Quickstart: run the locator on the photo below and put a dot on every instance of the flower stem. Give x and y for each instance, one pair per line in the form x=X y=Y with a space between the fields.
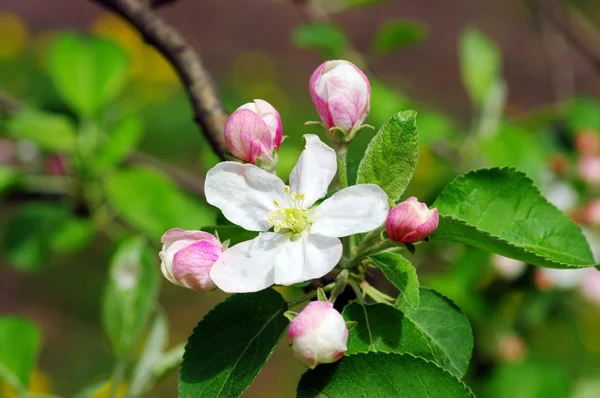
x=117 y=375
x=309 y=296
x=376 y=248
x=342 y=168
x=340 y=285
x=376 y=294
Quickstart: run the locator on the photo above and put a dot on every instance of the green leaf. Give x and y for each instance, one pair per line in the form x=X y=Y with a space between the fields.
x=328 y=39
x=398 y=33
x=72 y=234
x=380 y=375
x=155 y=344
x=391 y=157
x=233 y=233
x=500 y=210
x=445 y=327
x=121 y=143
x=152 y=203
x=402 y=274
x=232 y=344
x=88 y=72
x=51 y=131
x=383 y=328
x=25 y=243
x=130 y=295
x=479 y=64
x=20 y=341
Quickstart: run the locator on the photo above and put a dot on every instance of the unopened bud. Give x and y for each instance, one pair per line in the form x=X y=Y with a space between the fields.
x=319 y=334
x=188 y=256
x=342 y=95
x=254 y=132
x=411 y=221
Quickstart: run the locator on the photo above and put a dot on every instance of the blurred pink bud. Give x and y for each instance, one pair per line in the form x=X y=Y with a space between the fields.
x=57 y=165
x=319 y=334
x=341 y=93
x=254 y=132
x=590 y=286
x=508 y=268
x=589 y=169
x=6 y=150
x=512 y=348
x=411 y=221
x=188 y=256
x=591 y=213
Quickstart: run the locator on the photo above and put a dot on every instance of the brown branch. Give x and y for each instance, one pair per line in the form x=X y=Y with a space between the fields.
x=580 y=32
x=209 y=111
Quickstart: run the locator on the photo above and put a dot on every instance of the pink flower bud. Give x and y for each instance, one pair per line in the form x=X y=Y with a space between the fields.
x=254 y=131
x=508 y=268
x=319 y=334
x=591 y=213
x=589 y=169
x=341 y=93
x=188 y=256
x=411 y=221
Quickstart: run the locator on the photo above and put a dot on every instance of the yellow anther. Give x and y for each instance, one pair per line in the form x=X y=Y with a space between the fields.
x=286 y=189
x=276 y=203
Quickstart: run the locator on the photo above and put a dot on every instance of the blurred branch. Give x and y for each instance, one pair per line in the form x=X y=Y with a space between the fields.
x=580 y=32
x=9 y=104
x=160 y=3
x=208 y=109
x=556 y=50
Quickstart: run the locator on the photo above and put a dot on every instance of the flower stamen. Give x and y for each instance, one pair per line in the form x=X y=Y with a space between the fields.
x=293 y=218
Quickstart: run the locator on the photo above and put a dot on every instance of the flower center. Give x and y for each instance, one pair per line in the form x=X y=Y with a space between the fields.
x=294 y=218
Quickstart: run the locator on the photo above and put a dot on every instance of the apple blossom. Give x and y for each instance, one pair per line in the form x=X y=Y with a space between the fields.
x=411 y=221
x=253 y=133
x=319 y=334
x=304 y=244
x=188 y=256
x=342 y=95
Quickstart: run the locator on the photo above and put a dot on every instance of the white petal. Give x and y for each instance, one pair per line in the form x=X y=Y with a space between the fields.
x=356 y=209
x=244 y=193
x=309 y=257
x=248 y=266
x=314 y=171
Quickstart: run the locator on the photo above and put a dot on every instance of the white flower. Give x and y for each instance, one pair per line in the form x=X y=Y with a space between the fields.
x=304 y=244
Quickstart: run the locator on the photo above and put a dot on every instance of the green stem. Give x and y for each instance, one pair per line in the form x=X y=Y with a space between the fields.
x=340 y=285
x=342 y=167
x=309 y=296
x=376 y=248
x=357 y=291
x=375 y=294
x=117 y=376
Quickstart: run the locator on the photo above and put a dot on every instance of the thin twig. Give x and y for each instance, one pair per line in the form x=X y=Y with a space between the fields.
x=580 y=32
x=209 y=111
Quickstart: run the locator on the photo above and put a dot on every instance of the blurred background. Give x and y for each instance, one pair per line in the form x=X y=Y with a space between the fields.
x=495 y=83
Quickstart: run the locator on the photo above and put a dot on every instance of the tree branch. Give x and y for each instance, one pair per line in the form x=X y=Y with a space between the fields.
x=209 y=111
